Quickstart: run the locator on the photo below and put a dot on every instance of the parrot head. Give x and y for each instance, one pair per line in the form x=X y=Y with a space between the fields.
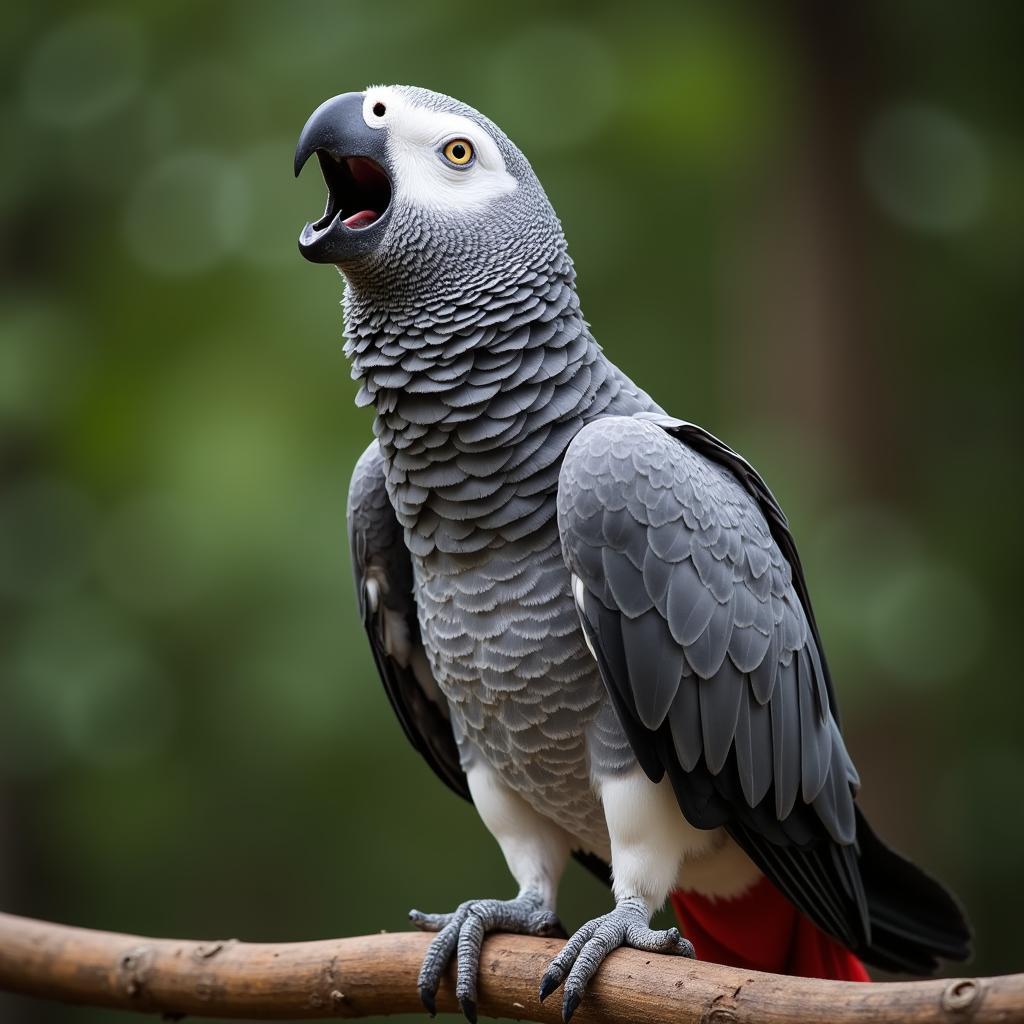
x=425 y=196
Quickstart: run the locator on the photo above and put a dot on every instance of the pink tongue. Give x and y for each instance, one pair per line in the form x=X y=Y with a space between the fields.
x=361 y=219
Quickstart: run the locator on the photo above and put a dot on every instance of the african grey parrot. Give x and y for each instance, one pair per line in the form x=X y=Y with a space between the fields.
x=589 y=616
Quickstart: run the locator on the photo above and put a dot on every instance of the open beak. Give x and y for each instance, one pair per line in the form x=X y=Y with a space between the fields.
x=354 y=161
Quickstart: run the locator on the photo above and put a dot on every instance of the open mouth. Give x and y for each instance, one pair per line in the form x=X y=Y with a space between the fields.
x=358 y=193
x=354 y=161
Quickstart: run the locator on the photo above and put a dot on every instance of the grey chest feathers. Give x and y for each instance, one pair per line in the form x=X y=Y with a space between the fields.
x=473 y=424
x=505 y=645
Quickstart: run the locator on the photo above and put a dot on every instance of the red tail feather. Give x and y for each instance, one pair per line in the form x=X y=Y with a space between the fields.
x=762 y=931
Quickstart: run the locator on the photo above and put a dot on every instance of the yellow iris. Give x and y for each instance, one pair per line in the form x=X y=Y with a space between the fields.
x=459 y=152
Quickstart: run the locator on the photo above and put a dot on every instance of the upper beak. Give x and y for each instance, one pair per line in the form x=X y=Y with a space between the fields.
x=354 y=161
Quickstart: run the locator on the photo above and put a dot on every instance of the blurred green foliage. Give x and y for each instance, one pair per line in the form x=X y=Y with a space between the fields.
x=815 y=252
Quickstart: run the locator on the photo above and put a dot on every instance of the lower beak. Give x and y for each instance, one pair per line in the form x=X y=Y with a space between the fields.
x=354 y=160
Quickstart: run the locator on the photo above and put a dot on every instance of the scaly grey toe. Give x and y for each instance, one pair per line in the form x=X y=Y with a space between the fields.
x=463 y=932
x=583 y=954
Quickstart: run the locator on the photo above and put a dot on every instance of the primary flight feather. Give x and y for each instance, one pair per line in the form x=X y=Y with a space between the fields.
x=589 y=616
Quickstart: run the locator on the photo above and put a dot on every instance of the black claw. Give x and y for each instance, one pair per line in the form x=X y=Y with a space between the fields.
x=550 y=927
x=428 y=1001
x=469 y=1009
x=551 y=980
x=572 y=1000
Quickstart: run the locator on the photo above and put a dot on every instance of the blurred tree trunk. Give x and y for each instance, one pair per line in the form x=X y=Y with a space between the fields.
x=806 y=324
x=805 y=318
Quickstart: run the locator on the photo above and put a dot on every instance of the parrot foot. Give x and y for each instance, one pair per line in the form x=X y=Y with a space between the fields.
x=463 y=931
x=583 y=954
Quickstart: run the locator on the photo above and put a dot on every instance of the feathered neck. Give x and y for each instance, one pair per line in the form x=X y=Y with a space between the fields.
x=474 y=344
x=476 y=403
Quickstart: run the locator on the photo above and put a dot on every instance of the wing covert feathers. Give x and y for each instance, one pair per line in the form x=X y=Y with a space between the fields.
x=693 y=599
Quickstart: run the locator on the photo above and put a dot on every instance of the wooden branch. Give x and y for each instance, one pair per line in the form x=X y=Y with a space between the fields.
x=376 y=974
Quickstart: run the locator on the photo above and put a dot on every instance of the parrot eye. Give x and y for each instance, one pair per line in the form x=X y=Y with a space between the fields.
x=458 y=152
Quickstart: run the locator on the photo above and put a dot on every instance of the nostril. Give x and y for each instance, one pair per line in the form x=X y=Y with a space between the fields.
x=379 y=109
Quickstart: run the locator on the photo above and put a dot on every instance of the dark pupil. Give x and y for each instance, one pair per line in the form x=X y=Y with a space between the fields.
x=378 y=109
x=458 y=152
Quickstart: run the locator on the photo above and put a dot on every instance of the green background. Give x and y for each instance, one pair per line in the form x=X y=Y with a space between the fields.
x=801 y=225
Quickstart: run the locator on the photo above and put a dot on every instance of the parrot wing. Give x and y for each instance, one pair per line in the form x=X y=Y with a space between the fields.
x=692 y=596
x=387 y=605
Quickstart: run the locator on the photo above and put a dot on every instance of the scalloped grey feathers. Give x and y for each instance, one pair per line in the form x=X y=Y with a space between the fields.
x=521 y=487
x=706 y=605
x=713 y=666
x=383 y=575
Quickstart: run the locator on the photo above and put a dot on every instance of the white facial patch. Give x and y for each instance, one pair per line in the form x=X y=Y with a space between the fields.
x=415 y=138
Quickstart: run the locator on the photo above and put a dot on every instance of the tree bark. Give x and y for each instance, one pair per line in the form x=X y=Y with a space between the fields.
x=376 y=974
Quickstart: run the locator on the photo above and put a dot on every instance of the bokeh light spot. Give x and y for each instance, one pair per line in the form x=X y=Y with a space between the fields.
x=293 y=686
x=186 y=214
x=927 y=623
x=204 y=106
x=270 y=240
x=45 y=532
x=84 y=70
x=926 y=168
x=852 y=553
x=84 y=681
x=39 y=360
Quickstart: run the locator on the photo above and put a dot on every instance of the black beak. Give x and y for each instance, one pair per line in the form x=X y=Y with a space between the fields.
x=354 y=161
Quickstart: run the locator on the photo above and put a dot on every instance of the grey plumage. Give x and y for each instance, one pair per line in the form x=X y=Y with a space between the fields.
x=494 y=382
x=520 y=491
x=384 y=585
x=753 y=700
